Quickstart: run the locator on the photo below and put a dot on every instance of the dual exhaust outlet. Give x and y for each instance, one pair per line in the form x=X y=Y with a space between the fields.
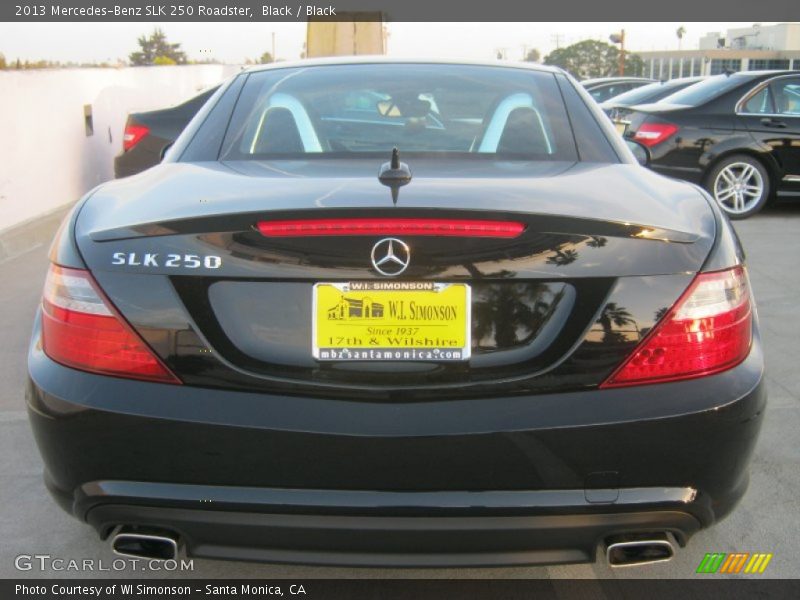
x=625 y=550
x=145 y=543
x=633 y=549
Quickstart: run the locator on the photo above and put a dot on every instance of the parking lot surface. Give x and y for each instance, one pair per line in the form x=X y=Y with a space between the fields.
x=765 y=521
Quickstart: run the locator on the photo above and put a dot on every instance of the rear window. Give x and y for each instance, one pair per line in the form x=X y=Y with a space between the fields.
x=702 y=92
x=602 y=93
x=638 y=95
x=650 y=92
x=348 y=110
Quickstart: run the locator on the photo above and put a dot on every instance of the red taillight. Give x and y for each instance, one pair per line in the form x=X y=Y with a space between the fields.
x=707 y=331
x=133 y=135
x=361 y=226
x=81 y=330
x=652 y=134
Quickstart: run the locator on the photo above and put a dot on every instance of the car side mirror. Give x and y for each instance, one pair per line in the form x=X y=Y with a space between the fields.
x=641 y=153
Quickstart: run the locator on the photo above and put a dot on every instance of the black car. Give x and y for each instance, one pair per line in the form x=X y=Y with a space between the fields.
x=736 y=134
x=148 y=135
x=618 y=107
x=397 y=313
x=604 y=88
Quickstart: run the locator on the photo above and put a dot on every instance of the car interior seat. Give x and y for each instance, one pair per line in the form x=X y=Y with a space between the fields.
x=523 y=133
x=279 y=133
x=513 y=125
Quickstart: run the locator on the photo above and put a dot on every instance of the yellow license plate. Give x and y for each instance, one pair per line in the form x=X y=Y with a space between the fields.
x=391 y=320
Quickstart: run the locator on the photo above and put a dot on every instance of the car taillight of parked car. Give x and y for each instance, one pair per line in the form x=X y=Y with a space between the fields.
x=134 y=133
x=708 y=331
x=80 y=329
x=652 y=134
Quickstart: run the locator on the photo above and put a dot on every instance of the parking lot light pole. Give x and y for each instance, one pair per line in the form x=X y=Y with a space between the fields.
x=619 y=38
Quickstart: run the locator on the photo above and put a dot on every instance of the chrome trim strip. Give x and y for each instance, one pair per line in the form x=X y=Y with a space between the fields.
x=743 y=100
x=779 y=115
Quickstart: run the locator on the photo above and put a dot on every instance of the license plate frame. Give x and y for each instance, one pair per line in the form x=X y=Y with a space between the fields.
x=352 y=320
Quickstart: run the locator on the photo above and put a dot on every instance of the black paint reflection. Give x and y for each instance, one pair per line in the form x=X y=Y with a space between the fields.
x=511 y=314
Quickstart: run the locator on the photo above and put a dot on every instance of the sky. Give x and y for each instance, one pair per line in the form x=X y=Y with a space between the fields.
x=235 y=42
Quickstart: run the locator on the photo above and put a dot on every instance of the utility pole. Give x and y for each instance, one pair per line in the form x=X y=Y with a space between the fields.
x=556 y=39
x=273 y=46
x=619 y=38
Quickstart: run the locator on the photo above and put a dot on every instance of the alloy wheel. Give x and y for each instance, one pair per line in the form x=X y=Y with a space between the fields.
x=738 y=187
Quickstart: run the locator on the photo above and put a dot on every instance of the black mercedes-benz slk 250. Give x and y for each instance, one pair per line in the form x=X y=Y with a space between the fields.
x=397 y=313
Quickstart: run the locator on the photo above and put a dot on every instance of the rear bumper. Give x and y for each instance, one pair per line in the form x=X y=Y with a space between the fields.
x=371 y=529
x=124 y=166
x=133 y=161
x=506 y=480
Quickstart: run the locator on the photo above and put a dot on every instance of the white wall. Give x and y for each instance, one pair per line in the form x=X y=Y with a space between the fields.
x=46 y=159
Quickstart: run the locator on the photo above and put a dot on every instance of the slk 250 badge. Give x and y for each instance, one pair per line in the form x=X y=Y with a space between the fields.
x=174 y=261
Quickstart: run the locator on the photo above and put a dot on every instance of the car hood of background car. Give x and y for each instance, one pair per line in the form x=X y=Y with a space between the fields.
x=146 y=204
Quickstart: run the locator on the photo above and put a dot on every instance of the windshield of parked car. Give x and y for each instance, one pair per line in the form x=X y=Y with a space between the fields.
x=367 y=109
x=706 y=90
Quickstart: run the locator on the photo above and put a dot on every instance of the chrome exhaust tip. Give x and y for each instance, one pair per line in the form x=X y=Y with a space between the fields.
x=632 y=550
x=131 y=543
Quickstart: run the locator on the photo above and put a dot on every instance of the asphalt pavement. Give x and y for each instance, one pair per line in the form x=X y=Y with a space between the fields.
x=765 y=521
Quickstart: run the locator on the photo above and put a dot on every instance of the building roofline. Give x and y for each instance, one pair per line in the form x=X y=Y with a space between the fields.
x=719 y=53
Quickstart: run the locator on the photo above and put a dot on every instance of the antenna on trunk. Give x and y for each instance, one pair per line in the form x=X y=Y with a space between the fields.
x=394 y=174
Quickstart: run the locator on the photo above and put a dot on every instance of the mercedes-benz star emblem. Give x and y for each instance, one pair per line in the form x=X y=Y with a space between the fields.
x=390 y=256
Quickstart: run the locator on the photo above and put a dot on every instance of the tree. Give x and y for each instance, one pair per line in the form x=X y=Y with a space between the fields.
x=163 y=61
x=266 y=58
x=634 y=65
x=680 y=32
x=533 y=55
x=157 y=47
x=592 y=58
x=2 y=61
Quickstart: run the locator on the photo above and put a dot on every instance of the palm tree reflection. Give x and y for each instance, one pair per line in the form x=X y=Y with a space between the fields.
x=563 y=257
x=612 y=317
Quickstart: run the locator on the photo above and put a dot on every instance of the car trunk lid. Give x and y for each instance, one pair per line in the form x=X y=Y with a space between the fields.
x=249 y=300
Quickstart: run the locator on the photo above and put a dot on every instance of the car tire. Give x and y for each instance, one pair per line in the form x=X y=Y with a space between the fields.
x=740 y=184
